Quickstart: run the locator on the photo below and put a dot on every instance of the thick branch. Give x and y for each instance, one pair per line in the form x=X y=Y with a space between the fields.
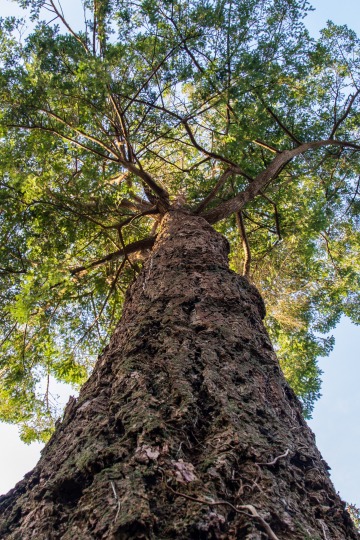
x=194 y=143
x=148 y=179
x=158 y=190
x=235 y=204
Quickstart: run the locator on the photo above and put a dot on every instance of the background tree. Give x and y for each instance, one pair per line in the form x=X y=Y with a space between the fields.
x=230 y=105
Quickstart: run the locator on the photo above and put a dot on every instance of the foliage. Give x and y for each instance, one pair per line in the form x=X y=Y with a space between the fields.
x=354 y=514
x=230 y=105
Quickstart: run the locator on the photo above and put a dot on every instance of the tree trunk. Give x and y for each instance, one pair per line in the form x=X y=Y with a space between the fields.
x=186 y=429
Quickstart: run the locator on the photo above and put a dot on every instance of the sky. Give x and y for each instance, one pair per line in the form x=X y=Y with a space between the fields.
x=336 y=415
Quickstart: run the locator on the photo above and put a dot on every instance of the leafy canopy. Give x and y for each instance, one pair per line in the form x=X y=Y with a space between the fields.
x=227 y=105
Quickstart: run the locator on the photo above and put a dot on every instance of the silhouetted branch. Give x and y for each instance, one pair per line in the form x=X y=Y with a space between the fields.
x=145 y=243
x=213 y=155
x=66 y=24
x=245 y=243
x=345 y=115
x=276 y=214
x=205 y=202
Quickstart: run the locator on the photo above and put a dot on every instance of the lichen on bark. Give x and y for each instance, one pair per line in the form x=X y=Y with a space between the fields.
x=187 y=428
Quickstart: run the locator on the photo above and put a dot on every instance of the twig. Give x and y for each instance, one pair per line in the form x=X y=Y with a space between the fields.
x=78 y=131
x=14 y=327
x=116 y=499
x=325 y=237
x=66 y=24
x=213 y=155
x=126 y=257
x=353 y=197
x=275 y=460
x=66 y=138
x=111 y=290
x=280 y=123
x=153 y=72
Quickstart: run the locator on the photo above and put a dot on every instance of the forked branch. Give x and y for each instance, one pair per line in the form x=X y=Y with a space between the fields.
x=269 y=174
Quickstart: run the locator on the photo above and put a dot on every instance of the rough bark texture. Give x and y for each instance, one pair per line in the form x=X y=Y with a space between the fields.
x=187 y=428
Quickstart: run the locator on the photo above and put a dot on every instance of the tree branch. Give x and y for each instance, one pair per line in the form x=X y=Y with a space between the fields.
x=235 y=204
x=266 y=146
x=66 y=24
x=95 y=140
x=111 y=290
x=276 y=213
x=153 y=72
x=130 y=219
x=325 y=237
x=213 y=155
x=145 y=243
x=345 y=115
x=245 y=243
x=146 y=177
x=66 y=138
x=280 y=123
x=205 y=202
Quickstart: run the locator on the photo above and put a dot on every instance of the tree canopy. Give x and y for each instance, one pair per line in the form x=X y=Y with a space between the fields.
x=229 y=107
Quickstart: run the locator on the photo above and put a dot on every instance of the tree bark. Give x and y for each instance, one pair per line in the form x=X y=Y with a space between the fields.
x=186 y=429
